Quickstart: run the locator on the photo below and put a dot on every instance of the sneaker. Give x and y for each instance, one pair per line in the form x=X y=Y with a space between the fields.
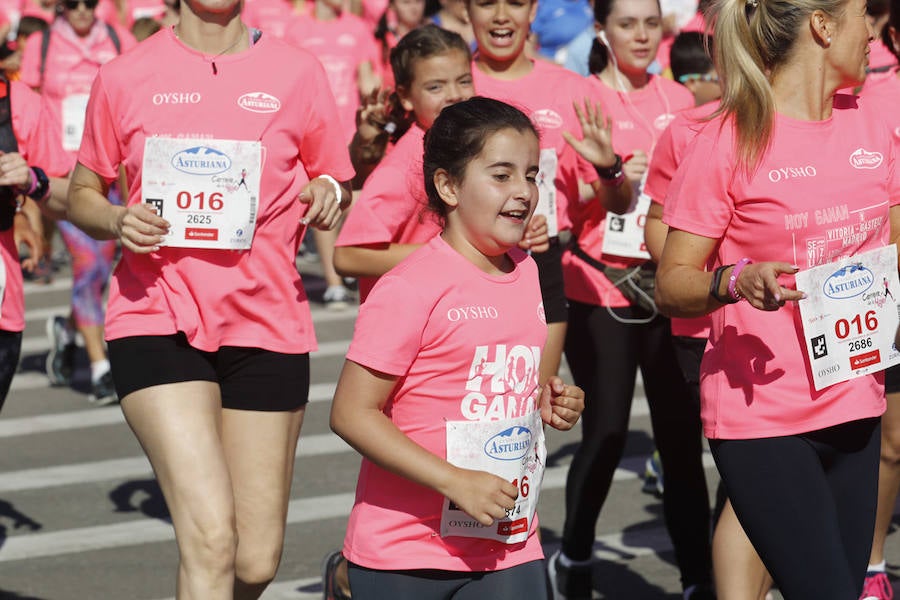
x=337 y=297
x=877 y=587
x=653 y=475
x=569 y=583
x=330 y=589
x=103 y=392
x=61 y=358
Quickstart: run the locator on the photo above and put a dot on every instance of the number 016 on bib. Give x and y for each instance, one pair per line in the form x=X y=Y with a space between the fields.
x=850 y=315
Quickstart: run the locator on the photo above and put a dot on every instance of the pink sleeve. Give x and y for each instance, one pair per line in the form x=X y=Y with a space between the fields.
x=894 y=172
x=323 y=150
x=699 y=199
x=385 y=205
x=100 y=149
x=29 y=73
x=39 y=144
x=389 y=328
x=662 y=167
x=126 y=38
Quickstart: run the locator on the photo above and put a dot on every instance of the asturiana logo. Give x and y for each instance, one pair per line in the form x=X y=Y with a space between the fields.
x=848 y=282
x=663 y=120
x=509 y=444
x=201 y=160
x=863 y=159
x=259 y=102
x=547 y=118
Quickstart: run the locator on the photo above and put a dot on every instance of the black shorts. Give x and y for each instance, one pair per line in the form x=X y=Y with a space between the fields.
x=550 y=272
x=249 y=378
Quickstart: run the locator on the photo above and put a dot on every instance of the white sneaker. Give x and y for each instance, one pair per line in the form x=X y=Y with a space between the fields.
x=337 y=297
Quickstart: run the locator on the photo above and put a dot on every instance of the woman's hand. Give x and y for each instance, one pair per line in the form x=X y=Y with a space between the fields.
x=24 y=234
x=481 y=495
x=635 y=166
x=758 y=283
x=325 y=207
x=596 y=129
x=140 y=229
x=561 y=404
x=14 y=171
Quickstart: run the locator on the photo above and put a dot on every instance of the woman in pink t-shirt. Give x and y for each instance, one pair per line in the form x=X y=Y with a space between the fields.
x=613 y=330
x=399 y=18
x=440 y=392
x=31 y=167
x=229 y=157
x=61 y=63
x=787 y=174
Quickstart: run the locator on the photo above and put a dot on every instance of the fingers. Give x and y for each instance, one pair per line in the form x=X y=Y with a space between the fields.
x=324 y=206
x=758 y=283
x=566 y=403
x=141 y=230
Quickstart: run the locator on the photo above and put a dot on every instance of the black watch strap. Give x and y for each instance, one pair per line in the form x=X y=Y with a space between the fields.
x=610 y=173
x=42 y=189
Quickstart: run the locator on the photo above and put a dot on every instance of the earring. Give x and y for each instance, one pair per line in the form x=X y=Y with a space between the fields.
x=828 y=39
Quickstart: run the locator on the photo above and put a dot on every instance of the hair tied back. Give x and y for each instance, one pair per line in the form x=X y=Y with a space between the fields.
x=752 y=3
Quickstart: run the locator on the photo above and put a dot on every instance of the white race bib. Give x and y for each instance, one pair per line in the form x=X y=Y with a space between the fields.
x=74 y=108
x=546 y=205
x=624 y=234
x=850 y=315
x=208 y=190
x=510 y=448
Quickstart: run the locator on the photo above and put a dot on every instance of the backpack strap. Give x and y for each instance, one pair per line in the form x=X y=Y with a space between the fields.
x=45 y=46
x=114 y=37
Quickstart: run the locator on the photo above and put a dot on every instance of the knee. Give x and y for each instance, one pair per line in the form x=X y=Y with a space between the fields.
x=211 y=548
x=890 y=449
x=257 y=566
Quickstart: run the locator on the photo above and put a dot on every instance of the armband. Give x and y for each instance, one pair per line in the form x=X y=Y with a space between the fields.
x=338 y=192
x=611 y=176
x=732 y=280
x=716 y=283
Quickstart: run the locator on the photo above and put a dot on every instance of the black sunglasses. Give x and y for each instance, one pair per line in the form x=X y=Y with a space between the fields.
x=73 y=4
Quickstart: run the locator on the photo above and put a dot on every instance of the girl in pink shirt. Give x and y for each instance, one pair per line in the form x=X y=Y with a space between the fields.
x=61 y=63
x=800 y=464
x=611 y=336
x=229 y=156
x=440 y=390
x=399 y=18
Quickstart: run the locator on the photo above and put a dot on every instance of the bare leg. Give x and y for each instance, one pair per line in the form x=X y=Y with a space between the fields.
x=888 y=475
x=179 y=425
x=738 y=571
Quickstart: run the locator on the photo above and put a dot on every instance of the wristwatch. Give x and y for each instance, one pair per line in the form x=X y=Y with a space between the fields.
x=611 y=176
x=41 y=188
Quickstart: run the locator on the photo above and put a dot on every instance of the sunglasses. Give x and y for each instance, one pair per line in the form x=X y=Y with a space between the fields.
x=73 y=4
x=709 y=78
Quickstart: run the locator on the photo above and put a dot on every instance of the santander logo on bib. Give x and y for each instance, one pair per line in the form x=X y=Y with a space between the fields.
x=201 y=160
x=259 y=102
x=862 y=159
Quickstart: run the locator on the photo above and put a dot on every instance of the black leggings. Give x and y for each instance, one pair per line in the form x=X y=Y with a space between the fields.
x=10 y=349
x=807 y=502
x=604 y=356
x=527 y=580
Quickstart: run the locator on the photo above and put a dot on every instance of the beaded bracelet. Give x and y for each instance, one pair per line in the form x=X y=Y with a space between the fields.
x=732 y=281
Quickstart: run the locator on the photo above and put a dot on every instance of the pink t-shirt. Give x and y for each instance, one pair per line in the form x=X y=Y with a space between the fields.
x=639 y=118
x=341 y=45
x=134 y=10
x=39 y=148
x=393 y=206
x=443 y=326
x=546 y=95
x=665 y=160
x=72 y=64
x=272 y=17
x=34 y=8
x=249 y=298
x=808 y=204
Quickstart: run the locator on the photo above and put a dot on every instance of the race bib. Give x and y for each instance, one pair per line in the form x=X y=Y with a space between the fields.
x=850 y=315
x=546 y=205
x=74 y=108
x=624 y=234
x=206 y=189
x=510 y=448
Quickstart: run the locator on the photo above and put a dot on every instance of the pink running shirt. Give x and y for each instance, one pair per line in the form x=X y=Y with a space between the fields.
x=546 y=95
x=639 y=118
x=669 y=151
x=442 y=326
x=393 y=206
x=341 y=45
x=803 y=206
x=39 y=148
x=272 y=17
x=218 y=297
x=72 y=64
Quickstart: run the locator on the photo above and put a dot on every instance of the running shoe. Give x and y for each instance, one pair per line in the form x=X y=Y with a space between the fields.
x=103 y=392
x=330 y=588
x=877 y=587
x=61 y=358
x=337 y=297
x=653 y=475
x=569 y=583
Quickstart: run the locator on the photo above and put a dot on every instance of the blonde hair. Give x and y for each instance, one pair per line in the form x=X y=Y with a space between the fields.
x=752 y=39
